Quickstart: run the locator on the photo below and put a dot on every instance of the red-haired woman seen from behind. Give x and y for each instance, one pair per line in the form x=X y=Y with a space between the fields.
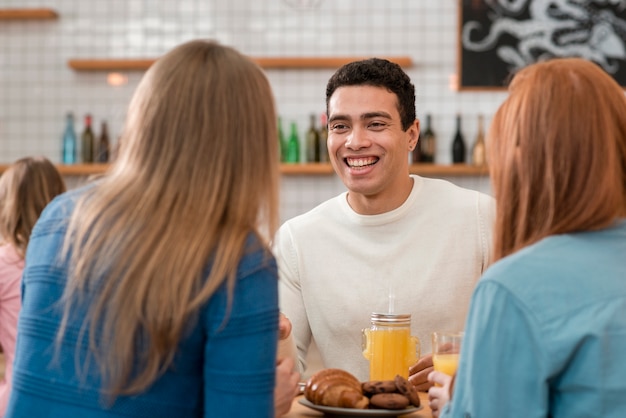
x=546 y=331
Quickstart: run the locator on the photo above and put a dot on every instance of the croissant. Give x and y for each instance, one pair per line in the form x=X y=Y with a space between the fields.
x=337 y=388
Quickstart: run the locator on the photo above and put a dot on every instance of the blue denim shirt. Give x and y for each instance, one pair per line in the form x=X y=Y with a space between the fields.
x=546 y=332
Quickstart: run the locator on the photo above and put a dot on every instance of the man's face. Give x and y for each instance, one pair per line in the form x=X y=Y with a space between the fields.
x=366 y=143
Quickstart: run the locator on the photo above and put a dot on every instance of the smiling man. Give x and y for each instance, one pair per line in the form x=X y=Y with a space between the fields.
x=426 y=241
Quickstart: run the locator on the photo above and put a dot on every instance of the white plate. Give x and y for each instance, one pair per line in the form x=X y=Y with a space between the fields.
x=352 y=412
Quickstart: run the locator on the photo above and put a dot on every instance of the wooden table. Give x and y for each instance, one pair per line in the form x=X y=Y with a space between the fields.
x=301 y=411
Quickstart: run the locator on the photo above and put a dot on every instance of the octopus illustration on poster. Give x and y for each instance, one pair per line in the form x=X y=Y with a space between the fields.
x=498 y=37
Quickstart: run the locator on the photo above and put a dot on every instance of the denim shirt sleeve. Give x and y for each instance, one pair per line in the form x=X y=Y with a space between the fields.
x=502 y=372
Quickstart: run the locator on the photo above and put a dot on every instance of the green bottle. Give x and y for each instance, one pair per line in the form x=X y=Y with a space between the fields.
x=293 y=146
x=282 y=143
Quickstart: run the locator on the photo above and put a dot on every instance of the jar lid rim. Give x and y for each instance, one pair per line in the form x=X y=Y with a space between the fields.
x=390 y=317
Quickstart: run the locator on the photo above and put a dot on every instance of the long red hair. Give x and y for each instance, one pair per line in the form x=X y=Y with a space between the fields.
x=557 y=149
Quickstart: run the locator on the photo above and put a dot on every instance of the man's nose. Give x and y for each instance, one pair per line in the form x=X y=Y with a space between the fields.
x=357 y=138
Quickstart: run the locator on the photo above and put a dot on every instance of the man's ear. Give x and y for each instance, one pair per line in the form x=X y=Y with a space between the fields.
x=414 y=134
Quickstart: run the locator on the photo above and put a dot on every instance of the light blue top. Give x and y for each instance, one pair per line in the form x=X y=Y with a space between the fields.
x=221 y=368
x=546 y=332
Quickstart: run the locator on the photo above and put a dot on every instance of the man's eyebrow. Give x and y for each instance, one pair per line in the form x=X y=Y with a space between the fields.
x=364 y=116
x=338 y=117
x=371 y=115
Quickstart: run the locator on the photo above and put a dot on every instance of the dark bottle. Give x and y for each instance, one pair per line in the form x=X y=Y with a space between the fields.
x=87 y=141
x=102 y=153
x=428 y=141
x=282 y=143
x=323 y=138
x=293 y=145
x=312 y=143
x=458 y=145
x=479 y=158
x=69 y=141
x=416 y=154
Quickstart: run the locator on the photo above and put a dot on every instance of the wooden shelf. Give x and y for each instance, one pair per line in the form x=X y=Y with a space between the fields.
x=464 y=170
x=320 y=62
x=28 y=14
x=310 y=169
x=121 y=64
x=110 y=64
x=82 y=169
x=94 y=169
x=74 y=169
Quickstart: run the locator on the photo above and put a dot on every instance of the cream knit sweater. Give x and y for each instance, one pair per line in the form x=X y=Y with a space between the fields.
x=337 y=267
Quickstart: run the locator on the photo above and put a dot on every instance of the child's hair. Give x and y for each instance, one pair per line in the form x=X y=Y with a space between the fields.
x=26 y=187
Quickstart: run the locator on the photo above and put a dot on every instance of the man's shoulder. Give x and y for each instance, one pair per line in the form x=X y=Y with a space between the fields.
x=447 y=192
x=320 y=214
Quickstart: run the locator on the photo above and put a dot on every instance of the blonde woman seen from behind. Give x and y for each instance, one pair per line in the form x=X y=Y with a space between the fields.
x=153 y=291
x=26 y=187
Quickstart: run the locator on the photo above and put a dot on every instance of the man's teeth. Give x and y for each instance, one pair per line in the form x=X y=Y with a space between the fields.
x=360 y=162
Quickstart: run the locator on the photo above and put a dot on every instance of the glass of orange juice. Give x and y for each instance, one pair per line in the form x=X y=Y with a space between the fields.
x=446 y=350
x=389 y=346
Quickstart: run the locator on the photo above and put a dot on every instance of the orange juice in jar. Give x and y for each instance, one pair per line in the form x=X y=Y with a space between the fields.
x=389 y=346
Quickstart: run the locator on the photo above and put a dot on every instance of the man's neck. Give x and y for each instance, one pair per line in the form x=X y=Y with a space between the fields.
x=381 y=202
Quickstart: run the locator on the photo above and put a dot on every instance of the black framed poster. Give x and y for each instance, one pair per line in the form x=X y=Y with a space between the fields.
x=499 y=37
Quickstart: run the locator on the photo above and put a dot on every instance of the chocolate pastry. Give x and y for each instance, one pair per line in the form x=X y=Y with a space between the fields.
x=379 y=386
x=389 y=401
x=407 y=389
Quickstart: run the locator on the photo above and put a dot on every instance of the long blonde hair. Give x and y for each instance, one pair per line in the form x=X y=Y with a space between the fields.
x=196 y=173
x=557 y=153
x=26 y=187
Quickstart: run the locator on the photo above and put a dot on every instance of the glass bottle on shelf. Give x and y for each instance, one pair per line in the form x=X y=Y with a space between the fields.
x=429 y=143
x=282 y=144
x=478 y=151
x=69 y=141
x=324 y=138
x=87 y=141
x=102 y=153
x=458 y=144
x=293 y=145
x=415 y=156
x=312 y=142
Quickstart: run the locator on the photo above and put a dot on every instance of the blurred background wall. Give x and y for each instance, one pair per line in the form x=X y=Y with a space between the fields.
x=37 y=88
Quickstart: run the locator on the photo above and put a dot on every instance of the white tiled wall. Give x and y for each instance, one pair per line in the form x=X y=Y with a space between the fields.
x=37 y=87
